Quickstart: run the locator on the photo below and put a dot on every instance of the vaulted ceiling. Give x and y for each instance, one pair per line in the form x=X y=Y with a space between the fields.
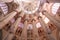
x=41 y=17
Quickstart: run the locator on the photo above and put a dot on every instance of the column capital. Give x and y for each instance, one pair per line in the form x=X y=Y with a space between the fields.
x=43 y=12
x=33 y=20
x=39 y=17
x=26 y=20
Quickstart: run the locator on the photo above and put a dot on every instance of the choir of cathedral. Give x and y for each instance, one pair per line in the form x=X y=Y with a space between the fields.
x=29 y=19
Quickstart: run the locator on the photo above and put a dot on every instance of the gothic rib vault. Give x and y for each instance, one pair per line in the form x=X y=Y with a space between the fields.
x=25 y=20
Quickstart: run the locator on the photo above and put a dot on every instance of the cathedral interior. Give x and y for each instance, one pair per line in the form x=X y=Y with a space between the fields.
x=29 y=19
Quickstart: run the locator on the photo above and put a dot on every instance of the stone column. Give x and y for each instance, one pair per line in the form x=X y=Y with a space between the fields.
x=54 y=21
x=46 y=29
x=16 y=10
x=10 y=36
x=49 y=10
x=56 y=16
x=35 y=31
x=24 y=31
x=5 y=21
x=7 y=18
x=1 y=34
x=5 y=35
x=15 y=25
